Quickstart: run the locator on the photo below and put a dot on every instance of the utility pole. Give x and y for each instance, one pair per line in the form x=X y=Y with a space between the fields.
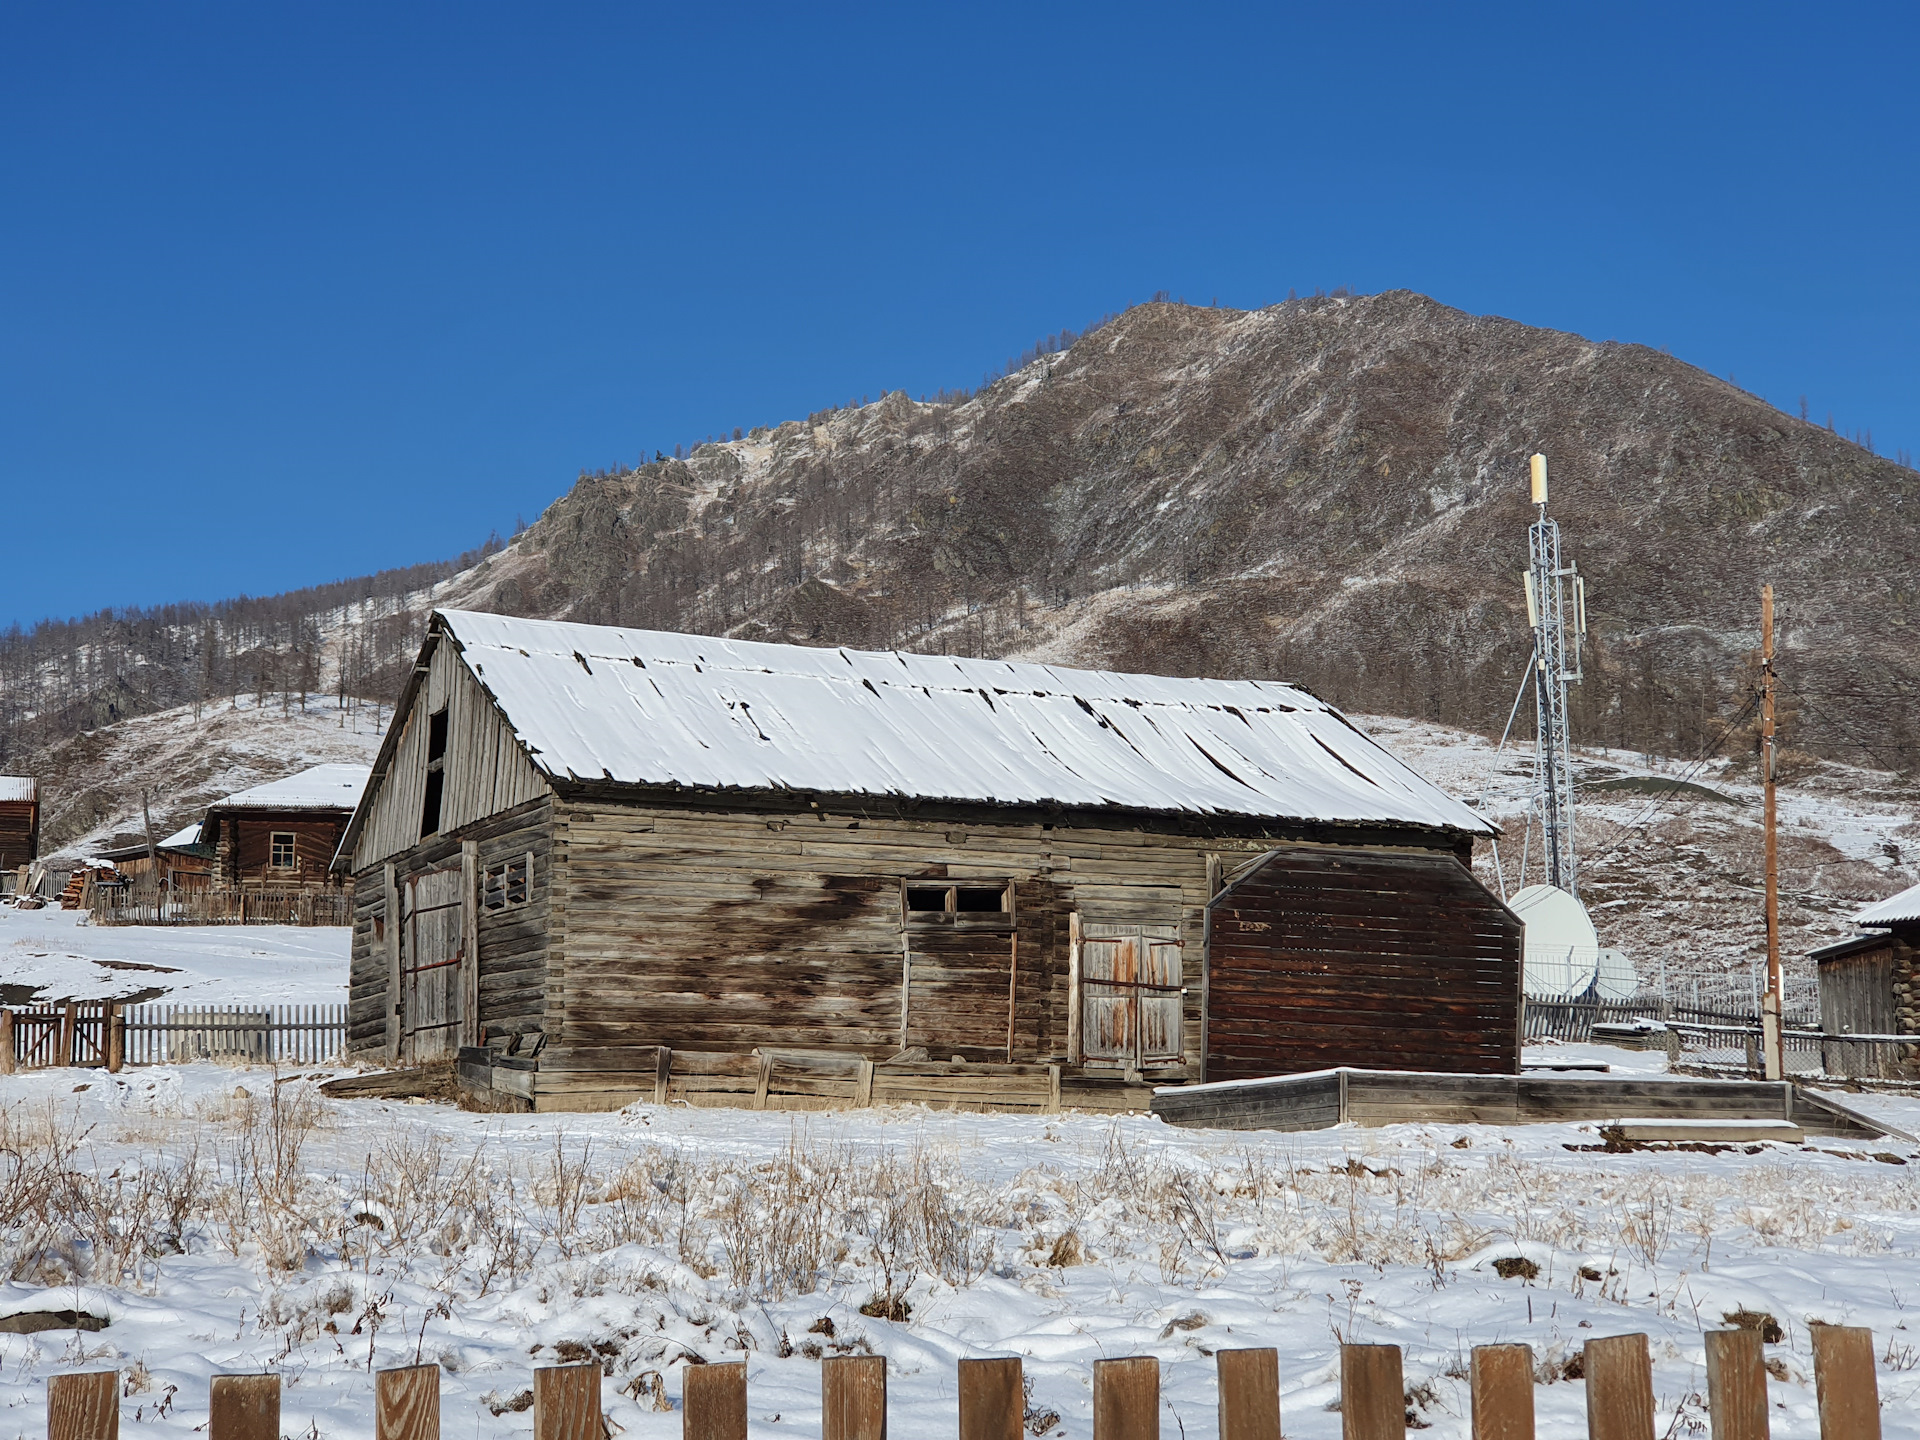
x=1770 y=1004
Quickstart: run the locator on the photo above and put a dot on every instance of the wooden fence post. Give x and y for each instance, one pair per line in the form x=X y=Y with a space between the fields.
x=1502 y=1383
x=6 y=1042
x=1843 y=1377
x=66 y=1035
x=1373 y=1397
x=1249 y=1385
x=1126 y=1399
x=85 y=1406
x=406 y=1403
x=566 y=1402
x=243 y=1407
x=993 y=1402
x=853 y=1397
x=713 y=1402
x=1737 y=1385
x=116 y=1039
x=1619 y=1388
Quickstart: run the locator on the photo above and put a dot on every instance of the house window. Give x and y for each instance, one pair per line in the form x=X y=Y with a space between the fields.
x=436 y=773
x=508 y=883
x=282 y=850
x=960 y=902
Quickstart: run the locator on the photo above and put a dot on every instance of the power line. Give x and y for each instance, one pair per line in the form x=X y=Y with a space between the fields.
x=1699 y=763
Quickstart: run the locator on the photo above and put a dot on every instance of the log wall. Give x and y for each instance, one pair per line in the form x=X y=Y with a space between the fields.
x=1322 y=956
x=19 y=830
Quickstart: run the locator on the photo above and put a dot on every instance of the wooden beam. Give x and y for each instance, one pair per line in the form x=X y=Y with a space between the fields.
x=1737 y=1385
x=243 y=1407
x=1502 y=1387
x=470 y=941
x=566 y=1402
x=1126 y=1399
x=406 y=1403
x=713 y=1401
x=1619 y=1375
x=1843 y=1378
x=1373 y=1399
x=85 y=1406
x=392 y=896
x=993 y=1403
x=853 y=1397
x=1249 y=1383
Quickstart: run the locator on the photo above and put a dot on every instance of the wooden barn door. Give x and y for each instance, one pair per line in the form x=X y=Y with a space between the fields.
x=1130 y=994
x=431 y=958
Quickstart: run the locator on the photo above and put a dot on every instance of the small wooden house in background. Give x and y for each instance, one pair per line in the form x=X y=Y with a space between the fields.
x=602 y=864
x=19 y=821
x=179 y=861
x=282 y=835
x=1866 y=987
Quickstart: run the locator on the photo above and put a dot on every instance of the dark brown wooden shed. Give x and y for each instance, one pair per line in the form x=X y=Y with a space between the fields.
x=19 y=821
x=597 y=865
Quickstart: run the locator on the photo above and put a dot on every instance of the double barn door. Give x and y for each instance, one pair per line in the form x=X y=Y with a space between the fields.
x=1130 y=994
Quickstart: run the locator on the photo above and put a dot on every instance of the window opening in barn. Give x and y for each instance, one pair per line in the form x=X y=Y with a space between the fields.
x=282 y=850
x=973 y=901
x=436 y=772
x=507 y=883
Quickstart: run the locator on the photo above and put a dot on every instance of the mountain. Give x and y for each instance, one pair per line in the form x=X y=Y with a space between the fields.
x=1331 y=490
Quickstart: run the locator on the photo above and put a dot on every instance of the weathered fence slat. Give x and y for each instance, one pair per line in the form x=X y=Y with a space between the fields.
x=853 y=1397
x=1249 y=1400
x=1126 y=1399
x=85 y=1406
x=566 y=1402
x=1737 y=1385
x=1502 y=1385
x=243 y=1407
x=713 y=1402
x=1843 y=1377
x=1619 y=1388
x=406 y=1403
x=992 y=1399
x=1373 y=1398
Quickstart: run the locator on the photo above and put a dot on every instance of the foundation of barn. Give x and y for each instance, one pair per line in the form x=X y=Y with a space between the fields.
x=613 y=1077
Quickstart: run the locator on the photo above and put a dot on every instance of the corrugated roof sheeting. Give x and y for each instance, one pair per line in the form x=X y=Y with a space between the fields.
x=645 y=707
x=1893 y=909
x=324 y=787
x=19 y=787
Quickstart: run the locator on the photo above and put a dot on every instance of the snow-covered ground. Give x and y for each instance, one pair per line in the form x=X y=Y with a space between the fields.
x=223 y=1221
x=54 y=954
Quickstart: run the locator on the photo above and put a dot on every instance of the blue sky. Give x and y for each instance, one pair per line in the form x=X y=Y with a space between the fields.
x=292 y=293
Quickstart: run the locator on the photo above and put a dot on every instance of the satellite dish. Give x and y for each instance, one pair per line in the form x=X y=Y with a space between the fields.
x=1562 y=952
x=1616 y=979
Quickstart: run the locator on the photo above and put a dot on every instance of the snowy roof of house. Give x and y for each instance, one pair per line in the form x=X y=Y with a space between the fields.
x=324 y=787
x=187 y=838
x=602 y=703
x=1893 y=909
x=19 y=787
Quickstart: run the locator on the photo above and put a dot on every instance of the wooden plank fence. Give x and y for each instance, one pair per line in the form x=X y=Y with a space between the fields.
x=1729 y=1041
x=124 y=905
x=1126 y=1396
x=107 y=1035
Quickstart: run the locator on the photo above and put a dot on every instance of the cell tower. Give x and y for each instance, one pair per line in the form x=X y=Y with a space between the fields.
x=1556 y=605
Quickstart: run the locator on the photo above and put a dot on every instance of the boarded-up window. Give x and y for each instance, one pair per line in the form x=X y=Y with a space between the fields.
x=282 y=851
x=1130 y=979
x=508 y=883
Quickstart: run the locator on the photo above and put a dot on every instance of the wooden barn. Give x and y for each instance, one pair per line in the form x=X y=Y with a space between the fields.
x=19 y=821
x=282 y=835
x=601 y=864
x=1866 y=987
x=178 y=861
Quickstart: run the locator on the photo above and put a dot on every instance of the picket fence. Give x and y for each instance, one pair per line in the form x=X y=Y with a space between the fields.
x=127 y=905
x=102 y=1033
x=1616 y=1369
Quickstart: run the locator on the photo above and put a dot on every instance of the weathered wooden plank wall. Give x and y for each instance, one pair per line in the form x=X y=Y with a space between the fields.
x=1324 y=956
x=1856 y=993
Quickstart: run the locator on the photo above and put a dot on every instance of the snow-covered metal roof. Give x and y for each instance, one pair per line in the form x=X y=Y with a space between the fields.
x=643 y=707
x=19 y=787
x=1892 y=910
x=324 y=787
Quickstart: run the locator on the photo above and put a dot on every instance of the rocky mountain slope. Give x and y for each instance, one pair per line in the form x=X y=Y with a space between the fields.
x=1331 y=491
